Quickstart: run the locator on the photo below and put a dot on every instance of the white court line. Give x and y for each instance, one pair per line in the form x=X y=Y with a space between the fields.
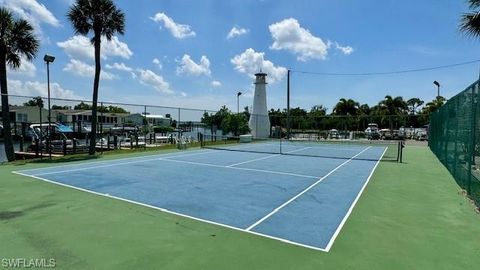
x=262 y=158
x=213 y=222
x=340 y=226
x=153 y=156
x=173 y=212
x=238 y=168
x=252 y=160
x=119 y=163
x=303 y=191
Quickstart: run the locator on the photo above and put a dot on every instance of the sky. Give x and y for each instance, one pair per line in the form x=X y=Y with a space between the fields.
x=199 y=54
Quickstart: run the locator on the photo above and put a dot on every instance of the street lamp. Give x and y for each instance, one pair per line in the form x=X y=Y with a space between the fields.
x=238 y=102
x=438 y=87
x=48 y=59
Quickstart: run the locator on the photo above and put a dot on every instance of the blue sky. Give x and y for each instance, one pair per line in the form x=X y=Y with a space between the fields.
x=180 y=53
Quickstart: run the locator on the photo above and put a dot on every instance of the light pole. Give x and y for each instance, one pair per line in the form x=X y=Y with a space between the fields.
x=238 y=102
x=48 y=59
x=438 y=87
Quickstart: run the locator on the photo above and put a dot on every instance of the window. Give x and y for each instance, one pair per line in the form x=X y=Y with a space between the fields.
x=22 y=117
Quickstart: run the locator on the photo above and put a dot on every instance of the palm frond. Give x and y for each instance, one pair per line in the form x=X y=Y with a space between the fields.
x=13 y=60
x=24 y=41
x=80 y=14
x=101 y=17
x=470 y=24
x=6 y=22
x=17 y=39
x=474 y=3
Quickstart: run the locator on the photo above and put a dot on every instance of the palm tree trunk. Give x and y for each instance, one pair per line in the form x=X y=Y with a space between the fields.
x=7 y=131
x=93 y=133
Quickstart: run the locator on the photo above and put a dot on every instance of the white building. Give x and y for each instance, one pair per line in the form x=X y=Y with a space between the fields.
x=152 y=119
x=259 y=122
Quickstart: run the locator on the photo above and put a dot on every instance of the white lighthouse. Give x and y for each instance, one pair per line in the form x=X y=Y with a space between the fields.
x=259 y=122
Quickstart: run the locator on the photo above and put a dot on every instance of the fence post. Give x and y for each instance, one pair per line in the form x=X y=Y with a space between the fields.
x=21 y=143
x=37 y=148
x=41 y=133
x=145 y=125
x=64 y=147
x=455 y=164
x=472 y=158
x=101 y=127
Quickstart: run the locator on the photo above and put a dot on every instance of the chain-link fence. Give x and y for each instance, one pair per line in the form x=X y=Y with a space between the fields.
x=122 y=126
x=323 y=135
x=454 y=137
x=65 y=128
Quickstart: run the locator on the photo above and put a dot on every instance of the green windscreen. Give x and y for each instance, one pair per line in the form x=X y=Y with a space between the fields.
x=454 y=138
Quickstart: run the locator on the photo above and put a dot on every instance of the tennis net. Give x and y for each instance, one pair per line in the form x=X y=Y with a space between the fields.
x=372 y=150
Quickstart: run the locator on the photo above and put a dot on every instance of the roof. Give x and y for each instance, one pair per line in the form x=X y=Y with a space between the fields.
x=150 y=116
x=88 y=112
x=154 y=116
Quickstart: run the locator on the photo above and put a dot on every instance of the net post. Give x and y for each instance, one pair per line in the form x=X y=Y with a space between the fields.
x=200 y=137
x=398 y=151
x=280 y=142
x=402 y=145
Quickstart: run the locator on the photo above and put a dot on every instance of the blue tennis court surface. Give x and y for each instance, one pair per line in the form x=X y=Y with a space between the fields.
x=297 y=199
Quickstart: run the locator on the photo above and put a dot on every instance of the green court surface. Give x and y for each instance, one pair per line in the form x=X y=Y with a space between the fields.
x=411 y=216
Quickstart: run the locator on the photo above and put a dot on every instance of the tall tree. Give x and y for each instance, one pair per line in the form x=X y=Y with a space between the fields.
x=103 y=19
x=16 y=40
x=433 y=105
x=318 y=111
x=34 y=102
x=346 y=107
x=394 y=106
x=413 y=105
x=364 y=109
x=470 y=22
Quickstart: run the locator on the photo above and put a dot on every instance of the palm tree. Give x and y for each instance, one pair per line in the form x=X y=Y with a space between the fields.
x=433 y=105
x=16 y=40
x=393 y=107
x=102 y=18
x=470 y=22
x=413 y=105
x=346 y=107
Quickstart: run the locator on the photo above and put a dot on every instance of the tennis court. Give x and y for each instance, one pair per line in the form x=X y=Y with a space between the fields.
x=296 y=196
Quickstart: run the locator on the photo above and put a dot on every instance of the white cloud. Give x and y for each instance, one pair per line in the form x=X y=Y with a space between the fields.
x=32 y=11
x=82 y=69
x=189 y=67
x=157 y=63
x=289 y=35
x=235 y=32
x=119 y=66
x=80 y=47
x=179 y=31
x=35 y=88
x=216 y=84
x=251 y=62
x=26 y=68
x=183 y=94
x=347 y=50
x=150 y=78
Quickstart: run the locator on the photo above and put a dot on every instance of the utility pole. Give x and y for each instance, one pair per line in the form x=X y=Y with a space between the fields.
x=288 y=104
